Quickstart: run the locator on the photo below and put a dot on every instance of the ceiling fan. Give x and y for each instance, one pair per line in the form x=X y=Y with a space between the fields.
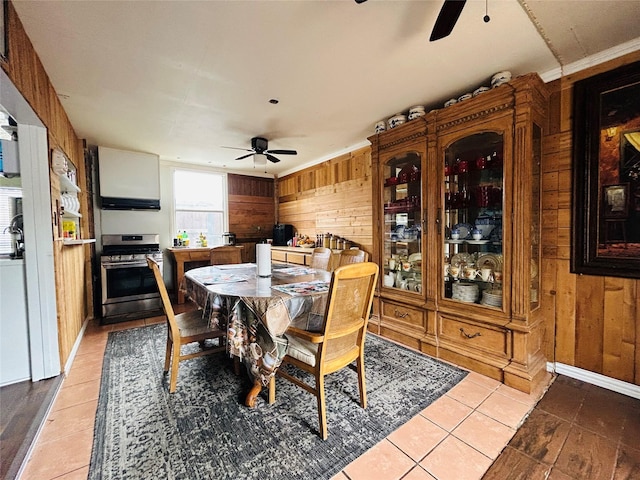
x=447 y=18
x=260 y=146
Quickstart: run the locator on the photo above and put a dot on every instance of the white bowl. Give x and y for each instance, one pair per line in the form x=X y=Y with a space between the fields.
x=480 y=90
x=500 y=77
x=415 y=112
x=450 y=102
x=485 y=229
x=381 y=126
x=464 y=97
x=397 y=119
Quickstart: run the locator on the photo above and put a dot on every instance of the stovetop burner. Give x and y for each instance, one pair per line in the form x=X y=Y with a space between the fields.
x=136 y=247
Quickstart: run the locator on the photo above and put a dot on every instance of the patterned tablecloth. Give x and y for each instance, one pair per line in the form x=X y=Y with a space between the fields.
x=257 y=311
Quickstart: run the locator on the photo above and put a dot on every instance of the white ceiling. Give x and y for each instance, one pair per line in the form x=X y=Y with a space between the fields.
x=183 y=78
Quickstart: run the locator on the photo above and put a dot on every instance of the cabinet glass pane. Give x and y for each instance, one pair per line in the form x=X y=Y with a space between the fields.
x=402 y=253
x=535 y=217
x=473 y=197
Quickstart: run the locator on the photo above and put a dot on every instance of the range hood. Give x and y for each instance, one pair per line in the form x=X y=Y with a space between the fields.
x=128 y=180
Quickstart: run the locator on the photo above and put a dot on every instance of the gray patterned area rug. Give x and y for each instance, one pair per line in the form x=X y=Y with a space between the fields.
x=204 y=431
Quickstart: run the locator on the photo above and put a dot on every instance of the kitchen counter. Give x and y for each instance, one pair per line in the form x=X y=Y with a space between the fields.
x=301 y=256
x=7 y=260
x=293 y=249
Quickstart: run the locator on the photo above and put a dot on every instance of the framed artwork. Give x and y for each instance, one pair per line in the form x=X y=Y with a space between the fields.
x=605 y=236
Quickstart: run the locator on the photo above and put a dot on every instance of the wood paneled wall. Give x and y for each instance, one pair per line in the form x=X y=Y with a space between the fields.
x=596 y=320
x=72 y=264
x=334 y=196
x=252 y=211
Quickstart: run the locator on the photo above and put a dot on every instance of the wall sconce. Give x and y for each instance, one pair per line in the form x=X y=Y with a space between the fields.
x=611 y=132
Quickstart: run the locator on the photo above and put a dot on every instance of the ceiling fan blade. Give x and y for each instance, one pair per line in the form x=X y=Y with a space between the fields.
x=447 y=18
x=245 y=156
x=282 y=152
x=238 y=148
x=271 y=158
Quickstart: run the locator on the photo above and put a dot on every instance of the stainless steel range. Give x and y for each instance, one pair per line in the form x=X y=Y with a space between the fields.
x=129 y=290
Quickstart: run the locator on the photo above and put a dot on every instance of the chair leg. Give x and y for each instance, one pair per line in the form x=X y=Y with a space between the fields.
x=322 y=411
x=362 y=384
x=272 y=390
x=167 y=357
x=236 y=366
x=175 y=363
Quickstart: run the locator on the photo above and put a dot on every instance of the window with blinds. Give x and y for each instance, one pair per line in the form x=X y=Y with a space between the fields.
x=7 y=212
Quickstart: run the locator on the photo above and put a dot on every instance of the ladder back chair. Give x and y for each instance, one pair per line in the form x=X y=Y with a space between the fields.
x=321 y=258
x=341 y=339
x=225 y=255
x=353 y=255
x=182 y=329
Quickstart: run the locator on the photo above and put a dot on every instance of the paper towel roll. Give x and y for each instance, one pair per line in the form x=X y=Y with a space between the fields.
x=263 y=259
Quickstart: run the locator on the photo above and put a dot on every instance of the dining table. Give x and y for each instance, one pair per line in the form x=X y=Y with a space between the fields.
x=257 y=310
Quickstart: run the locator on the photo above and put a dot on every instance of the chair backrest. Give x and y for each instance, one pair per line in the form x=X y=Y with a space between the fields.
x=225 y=255
x=166 y=301
x=347 y=314
x=320 y=258
x=353 y=255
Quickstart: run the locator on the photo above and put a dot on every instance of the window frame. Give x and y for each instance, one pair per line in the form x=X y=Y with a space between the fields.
x=225 y=199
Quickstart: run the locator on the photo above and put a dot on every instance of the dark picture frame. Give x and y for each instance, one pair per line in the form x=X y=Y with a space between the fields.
x=605 y=237
x=4 y=37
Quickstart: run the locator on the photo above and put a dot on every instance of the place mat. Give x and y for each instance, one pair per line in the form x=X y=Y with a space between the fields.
x=303 y=288
x=295 y=271
x=222 y=278
x=234 y=266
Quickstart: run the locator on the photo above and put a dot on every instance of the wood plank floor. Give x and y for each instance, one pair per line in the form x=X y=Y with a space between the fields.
x=577 y=431
x=23 y=407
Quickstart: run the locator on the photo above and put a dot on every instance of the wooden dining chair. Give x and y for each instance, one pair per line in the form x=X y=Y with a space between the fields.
x=320 y=258
x=341 y=339
x=353 y=255
x=182 y=329
x=225 y=255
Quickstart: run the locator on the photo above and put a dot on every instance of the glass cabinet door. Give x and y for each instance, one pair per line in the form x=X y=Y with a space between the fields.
x=473 y=205
x=402 y=253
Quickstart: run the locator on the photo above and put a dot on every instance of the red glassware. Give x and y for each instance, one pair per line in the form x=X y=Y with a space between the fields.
x=484 y=195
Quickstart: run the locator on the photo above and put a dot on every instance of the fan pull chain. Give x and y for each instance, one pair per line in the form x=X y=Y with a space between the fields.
x=486 y=17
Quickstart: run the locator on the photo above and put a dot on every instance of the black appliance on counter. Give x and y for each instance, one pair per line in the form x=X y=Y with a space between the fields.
x=282 y=233
x=129 y=289
x=229 y=238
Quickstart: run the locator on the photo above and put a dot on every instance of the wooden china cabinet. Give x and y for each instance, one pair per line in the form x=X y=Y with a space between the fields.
x=457 y=211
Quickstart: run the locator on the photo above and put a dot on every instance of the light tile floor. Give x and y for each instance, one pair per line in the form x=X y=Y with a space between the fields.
x=455 y=438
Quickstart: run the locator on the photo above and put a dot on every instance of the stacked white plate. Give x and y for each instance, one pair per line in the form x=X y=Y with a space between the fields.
x=492 y=299
x=465 y=292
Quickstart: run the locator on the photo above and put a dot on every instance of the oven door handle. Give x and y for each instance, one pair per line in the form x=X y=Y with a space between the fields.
x=128 y=264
